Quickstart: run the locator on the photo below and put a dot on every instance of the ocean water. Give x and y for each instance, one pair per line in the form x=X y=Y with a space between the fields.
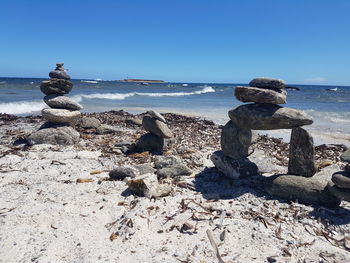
x=330 y=109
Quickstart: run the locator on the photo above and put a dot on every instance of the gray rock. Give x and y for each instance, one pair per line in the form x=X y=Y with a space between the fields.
x=234 y=168
x=59 y=74
x=173 y=171
x=145 y=168
x=61 y=115
x=236 y=141
x=61 y=102
x=345 y=157
x=307 y=190
x=347 y=167
x=120 y=173
x=156 y=127
x=54 y=134
x=341 y=179
x=56 y=86
x=259 y=95
x=301 y=153
x=268 y=83
x=106 y=129
x=134 y=121
x=268 y=117
x=166 y=161
x=147 y=185
x=156 y=115
x=150 y=142
x=340 y=193
x=90 y=122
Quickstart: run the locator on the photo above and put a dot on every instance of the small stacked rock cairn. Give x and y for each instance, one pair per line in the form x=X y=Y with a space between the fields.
x=158 y=136
x=340 y=184
x=63 y=113
x=264 y=113
x=238 y=134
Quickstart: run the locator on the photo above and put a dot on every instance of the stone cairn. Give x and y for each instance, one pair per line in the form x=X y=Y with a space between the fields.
x=63 y=113
x=159 y=133
x=264 y=113
x=340 y=184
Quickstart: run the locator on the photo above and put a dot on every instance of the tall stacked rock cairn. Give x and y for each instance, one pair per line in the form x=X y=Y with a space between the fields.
x=158 y=135
x=62 y=113
x=263 y=112
x=340 y=184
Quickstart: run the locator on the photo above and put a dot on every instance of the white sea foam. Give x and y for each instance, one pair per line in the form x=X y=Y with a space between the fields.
x=122 y=96
x=22 y=107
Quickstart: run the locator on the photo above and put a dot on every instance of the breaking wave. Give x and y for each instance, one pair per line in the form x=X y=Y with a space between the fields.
x=22 y=107
x=122 y=96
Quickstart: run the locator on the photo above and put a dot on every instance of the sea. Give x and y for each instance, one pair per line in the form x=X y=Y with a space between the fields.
x=328 y=105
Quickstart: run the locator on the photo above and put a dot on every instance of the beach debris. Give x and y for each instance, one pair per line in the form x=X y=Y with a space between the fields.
x=63 y=113
x=301 y=153
x=214 y=245
x=84 y=180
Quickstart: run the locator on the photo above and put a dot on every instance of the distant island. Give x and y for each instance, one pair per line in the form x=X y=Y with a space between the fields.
x=143 y=80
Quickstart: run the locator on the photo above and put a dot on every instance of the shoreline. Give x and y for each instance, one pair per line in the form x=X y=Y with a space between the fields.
x=47 y=216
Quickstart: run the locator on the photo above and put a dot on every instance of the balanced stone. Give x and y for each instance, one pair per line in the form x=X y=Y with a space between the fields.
x=301 y=153
x=56 y=86
x=345 y=157
x=258 y=116
x=306 y=190
x=259 y=95
x=234 y=169
x=150 y=142
x=341 y=193
x=156 y=115
x=59 y=72
x=235 y=141
x=267 y=83
x=61 y=115
x=61 y=102
x=156 y=127
x=54 y=134
x=341 y=179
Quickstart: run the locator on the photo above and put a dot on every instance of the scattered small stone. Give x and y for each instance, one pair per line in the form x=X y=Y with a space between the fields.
x=120 y=173
x=147 y=185
x=90 y=122
x=342 y=179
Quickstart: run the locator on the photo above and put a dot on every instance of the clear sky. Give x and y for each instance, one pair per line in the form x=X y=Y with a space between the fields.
x=300 y=41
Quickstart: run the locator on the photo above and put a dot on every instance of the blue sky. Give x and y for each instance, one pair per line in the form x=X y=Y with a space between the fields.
x=301 y=41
